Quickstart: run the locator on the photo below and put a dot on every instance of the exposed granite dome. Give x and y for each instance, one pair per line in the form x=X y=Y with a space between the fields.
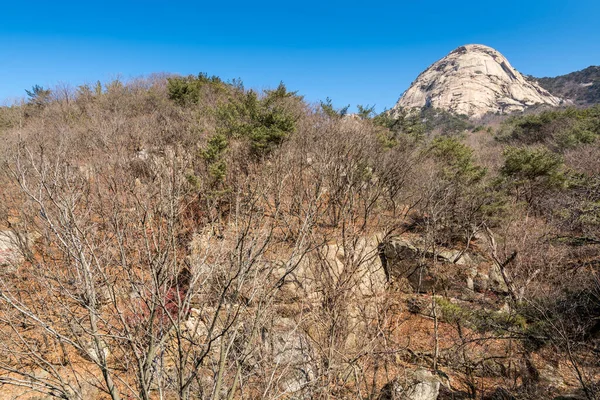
x=474 y=80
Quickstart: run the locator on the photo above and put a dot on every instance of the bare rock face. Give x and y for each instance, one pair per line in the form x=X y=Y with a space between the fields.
x=474 y=80
x=407 y=260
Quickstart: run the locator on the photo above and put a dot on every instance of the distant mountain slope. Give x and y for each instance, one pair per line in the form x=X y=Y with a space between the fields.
x=474 y=80
x=582 y=87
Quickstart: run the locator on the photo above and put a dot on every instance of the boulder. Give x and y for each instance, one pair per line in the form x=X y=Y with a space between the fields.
x=289 y=349
x=420 y=385
x=481 y=282
x=407 y=260
x=449 y=394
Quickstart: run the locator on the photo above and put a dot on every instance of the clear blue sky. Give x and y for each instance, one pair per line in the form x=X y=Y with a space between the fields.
x=354 y=52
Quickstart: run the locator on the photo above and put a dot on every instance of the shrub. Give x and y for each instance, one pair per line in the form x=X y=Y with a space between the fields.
x=188 y=89
x=265 y=121
x=560 y=130
x=331 y=112
x=213 y=155
x=458 y=160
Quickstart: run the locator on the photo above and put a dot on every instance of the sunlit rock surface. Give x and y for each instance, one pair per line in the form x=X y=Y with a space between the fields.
x=474 y=80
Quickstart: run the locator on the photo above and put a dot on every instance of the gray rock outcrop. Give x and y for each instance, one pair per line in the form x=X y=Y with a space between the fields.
x=404 y=259
x=474 y=80
x=358 y=267
x=421 y=385
x=412 y=261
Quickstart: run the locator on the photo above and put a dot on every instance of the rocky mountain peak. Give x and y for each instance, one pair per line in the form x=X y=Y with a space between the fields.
x=474 y=80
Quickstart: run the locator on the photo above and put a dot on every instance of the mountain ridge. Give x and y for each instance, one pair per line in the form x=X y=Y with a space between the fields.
x=582 y=86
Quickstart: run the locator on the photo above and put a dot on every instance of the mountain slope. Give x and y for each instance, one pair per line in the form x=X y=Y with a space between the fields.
x=474 y=80
x=582 y=87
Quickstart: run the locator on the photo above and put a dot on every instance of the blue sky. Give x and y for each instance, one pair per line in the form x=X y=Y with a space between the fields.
x=354 y=52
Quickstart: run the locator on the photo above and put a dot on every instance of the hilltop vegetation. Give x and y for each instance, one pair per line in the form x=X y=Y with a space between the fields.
x=186 y=237
x=560 y=130
x=583 y=87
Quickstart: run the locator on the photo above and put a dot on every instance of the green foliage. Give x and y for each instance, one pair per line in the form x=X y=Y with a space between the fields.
x=261 y=121
x=560 y=130
x=427 y=121
x=445 y=122
x=568 y=315
x=533 y=172
x=387 y=139
x=413 y=127
x=215 y=148
x=406 y=125
x=329 y=110
x=38 y=96
x=188 y=89
x=183 y=90
x=459 y=193
x=265 y=121
x=522 y=164
x=365 y=112
x=193 y=180
x=583 y=86
x=500 y=322
x=218 y=170
x=582 y=211
x=457 y=159
x=385 y=119
x=87 y=93
x=581 y=131
x=481 y=320
x=453 y=313
x=281 y=93
x=213 y=155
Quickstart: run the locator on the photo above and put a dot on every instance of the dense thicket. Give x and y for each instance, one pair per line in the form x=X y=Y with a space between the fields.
x=163 y=221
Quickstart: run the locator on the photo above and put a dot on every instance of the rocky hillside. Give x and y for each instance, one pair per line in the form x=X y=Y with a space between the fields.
x=182 y=237
x=582 y=87
x=474 y=80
